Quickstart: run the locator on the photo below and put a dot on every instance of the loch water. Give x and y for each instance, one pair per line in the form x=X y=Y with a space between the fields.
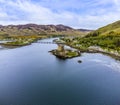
x=30 y=75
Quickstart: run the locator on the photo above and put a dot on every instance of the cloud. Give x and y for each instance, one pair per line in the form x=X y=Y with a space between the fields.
x=75 y=13
x=117 y=4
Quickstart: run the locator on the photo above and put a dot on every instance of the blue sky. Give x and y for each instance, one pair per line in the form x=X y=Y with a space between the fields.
x=90 y=14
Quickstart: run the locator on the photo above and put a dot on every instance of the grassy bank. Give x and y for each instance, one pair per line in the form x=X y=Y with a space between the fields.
x=20 y=40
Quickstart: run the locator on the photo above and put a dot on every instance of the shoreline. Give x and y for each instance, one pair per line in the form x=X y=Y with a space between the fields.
x=113 y=55
x=93 y=50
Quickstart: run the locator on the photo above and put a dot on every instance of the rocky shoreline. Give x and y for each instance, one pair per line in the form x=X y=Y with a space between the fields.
x=97 y=49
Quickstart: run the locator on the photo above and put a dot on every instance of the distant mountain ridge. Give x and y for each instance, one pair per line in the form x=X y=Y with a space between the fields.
x=34 y=29
x=85 y=30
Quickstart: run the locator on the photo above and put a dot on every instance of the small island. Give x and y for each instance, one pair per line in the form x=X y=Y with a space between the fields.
x=63 y=53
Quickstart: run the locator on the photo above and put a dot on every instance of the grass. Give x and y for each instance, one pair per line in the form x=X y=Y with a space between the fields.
x=71 y=54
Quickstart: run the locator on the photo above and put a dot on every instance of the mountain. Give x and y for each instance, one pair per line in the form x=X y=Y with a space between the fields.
x=34 y=29
x=85 y=30
x=110 y=29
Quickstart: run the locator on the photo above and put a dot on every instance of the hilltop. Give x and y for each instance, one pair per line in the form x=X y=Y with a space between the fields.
x=110 y=29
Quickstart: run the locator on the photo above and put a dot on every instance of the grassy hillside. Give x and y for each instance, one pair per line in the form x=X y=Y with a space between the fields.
x=111 y=29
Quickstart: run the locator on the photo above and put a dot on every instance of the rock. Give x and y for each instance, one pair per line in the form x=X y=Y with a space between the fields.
x=79 y=61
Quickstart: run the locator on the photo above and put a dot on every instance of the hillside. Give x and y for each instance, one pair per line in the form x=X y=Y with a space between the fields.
x=34 y=29
x=105 y=40
x=111 y=29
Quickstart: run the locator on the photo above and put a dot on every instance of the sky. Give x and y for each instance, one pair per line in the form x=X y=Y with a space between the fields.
x=90 y=14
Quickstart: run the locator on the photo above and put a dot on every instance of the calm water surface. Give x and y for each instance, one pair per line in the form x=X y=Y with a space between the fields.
x=31 y=76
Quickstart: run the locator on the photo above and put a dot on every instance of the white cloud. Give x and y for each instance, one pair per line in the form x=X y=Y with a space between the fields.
x=117 y=3
x=25 y=11
x=38 y=14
